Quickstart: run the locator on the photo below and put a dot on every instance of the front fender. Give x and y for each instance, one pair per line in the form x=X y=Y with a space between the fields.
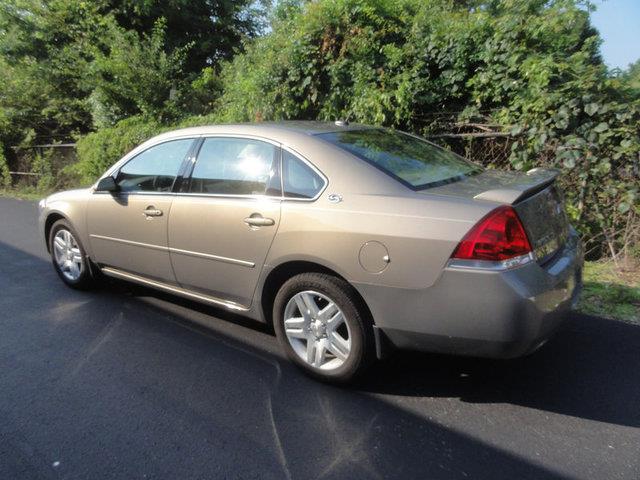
x=70 y=206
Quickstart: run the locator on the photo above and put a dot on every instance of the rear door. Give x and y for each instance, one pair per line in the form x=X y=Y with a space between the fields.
x=128 y=229
x=223 y=222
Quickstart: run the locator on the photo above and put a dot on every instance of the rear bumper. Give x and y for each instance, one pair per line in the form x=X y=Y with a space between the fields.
x=499 y=314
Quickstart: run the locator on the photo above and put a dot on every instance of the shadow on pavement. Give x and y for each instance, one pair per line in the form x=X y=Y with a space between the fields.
x=123 y=381
x=588 y=370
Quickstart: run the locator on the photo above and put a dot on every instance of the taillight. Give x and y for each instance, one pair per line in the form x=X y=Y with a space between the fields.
x=498 y=236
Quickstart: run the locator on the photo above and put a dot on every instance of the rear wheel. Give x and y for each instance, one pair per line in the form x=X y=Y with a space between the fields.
x=323 y=327
x=68 y=256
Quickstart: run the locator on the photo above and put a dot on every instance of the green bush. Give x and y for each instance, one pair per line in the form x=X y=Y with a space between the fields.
x=137 y=76
x=69 y=67
x=42 y=165
x=99 y=150
x=5 y=176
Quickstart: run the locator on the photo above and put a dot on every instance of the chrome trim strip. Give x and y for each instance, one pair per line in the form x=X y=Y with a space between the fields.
x=142 y=148
x=490 y=266
x=209 y=256
x=147 y=145
x=197 y=194
x=112 y=272
x=134 y=192
x=230 y=196
x=300 y=157
x=241 y=136
x=130 y=242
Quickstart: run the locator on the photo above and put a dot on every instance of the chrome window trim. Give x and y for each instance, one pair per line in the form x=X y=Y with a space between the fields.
x=488 y=265
x=229 y=196
x=240 y=136
x=138 y=192
x=281 y=147
x=135 y=152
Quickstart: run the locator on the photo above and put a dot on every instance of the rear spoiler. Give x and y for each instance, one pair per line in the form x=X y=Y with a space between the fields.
x=541 y=178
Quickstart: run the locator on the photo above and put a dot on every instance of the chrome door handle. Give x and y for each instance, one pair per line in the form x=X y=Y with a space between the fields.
x=257 y=220
x=152 y=211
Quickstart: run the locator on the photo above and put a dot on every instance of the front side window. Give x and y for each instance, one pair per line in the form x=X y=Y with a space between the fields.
x=236 y=166
x=299 y=179
x=155 y=169
x=414 y=162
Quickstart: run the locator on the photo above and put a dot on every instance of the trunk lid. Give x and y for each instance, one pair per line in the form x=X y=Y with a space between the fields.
x=534 y=196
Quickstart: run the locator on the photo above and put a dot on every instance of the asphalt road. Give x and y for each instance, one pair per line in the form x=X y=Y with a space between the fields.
x=124 y=382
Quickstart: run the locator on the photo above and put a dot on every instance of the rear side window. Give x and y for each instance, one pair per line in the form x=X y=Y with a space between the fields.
x=155 y=169
x=412 y=161
x=299 y=179
x=236 y=166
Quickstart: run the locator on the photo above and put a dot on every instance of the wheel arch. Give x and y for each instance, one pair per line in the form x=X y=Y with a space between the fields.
x=286 y=270
x=52 y=218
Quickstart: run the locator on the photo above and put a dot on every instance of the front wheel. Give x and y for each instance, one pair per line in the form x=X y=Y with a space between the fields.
x=68 y=256
x=323 y=327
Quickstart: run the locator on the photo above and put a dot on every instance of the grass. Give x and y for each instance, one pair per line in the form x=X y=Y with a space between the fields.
x=611 y=293
x=27 y=193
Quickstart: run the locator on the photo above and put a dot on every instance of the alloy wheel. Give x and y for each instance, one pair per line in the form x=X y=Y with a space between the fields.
x=316 y=330
x=67 y=254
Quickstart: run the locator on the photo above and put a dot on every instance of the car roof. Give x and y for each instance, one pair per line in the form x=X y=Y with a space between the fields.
x=299 y=137
x=314 y=127
x=268 y=128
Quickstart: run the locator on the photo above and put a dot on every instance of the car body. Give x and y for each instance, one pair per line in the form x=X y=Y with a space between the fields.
x=389 y=241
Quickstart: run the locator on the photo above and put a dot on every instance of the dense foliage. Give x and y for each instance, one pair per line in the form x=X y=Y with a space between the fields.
x=147 y=77
x=5 y=176
x=100 y=150
x=631 y=78
x=211 y=28
x=528 y=69
x=70 y=66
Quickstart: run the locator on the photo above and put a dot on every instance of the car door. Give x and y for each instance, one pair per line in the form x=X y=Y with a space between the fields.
x=128 y=228
x=222 y=225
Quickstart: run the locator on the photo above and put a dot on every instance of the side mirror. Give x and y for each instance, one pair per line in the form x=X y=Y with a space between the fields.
x=107 y=184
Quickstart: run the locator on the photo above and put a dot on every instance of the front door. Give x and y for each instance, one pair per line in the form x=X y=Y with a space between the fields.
x=128 y=229
x=222 y=226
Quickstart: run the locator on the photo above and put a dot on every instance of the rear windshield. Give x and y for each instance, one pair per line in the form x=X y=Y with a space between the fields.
x=412 y=161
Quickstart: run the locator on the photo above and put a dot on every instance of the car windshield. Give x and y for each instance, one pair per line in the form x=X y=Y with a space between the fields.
x=414 y=162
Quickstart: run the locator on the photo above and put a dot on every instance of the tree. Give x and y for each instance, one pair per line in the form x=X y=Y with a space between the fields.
x=137 y=76
x=631 y=78
x=45 y=50
x=68 y=63
x=213 y=29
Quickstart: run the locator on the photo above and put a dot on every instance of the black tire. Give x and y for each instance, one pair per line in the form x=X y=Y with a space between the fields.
x=362 y=350
x=86 y=279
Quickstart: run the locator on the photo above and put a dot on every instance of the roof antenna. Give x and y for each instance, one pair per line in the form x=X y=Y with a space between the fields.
x=343 y=122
